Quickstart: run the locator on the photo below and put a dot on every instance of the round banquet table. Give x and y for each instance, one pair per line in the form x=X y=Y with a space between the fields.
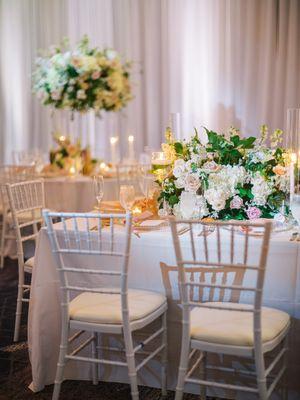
x=151 y=260
x=76 y=194
x=68 y=194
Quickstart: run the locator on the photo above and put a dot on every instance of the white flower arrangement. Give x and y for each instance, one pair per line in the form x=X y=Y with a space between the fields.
x=82 y=79
x=229 y=177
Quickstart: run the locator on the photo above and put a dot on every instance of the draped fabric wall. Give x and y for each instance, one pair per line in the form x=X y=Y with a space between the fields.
x=217 y=62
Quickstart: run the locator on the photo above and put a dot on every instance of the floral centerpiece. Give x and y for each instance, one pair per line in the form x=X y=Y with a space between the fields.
x=70 y=158
x=82 y=79
x=227 y=177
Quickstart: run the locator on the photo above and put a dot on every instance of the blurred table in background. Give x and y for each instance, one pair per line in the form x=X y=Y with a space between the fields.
x=76 y=194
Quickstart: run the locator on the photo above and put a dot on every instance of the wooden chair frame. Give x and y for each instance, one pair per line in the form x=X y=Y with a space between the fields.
x=85 y=243
x=259 y=349
x=24 y=197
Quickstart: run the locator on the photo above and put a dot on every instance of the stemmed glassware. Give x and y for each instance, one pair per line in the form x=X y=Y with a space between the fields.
x=98 y=182
x=293 y=145
x=147 y=182
x=127 y=197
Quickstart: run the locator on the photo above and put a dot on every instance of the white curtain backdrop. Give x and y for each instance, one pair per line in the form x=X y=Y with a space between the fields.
x=217 y=62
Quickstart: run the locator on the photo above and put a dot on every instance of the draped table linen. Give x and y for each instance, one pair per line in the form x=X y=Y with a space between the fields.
x=151 y=254
x=76 y=194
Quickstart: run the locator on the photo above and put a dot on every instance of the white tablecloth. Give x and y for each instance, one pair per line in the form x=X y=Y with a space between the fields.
x=68 y=194
x=282 y=290
x=75 y=194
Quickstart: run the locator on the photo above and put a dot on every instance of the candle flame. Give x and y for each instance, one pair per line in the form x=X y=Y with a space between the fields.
x=131 y=138
x=136 y=210
x=113 y=139
x=293 y=157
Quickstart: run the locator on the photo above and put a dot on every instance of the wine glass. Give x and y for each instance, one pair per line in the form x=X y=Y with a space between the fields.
x=295 y=208
x=146 y=181
x=98 y=189
x=127 y=196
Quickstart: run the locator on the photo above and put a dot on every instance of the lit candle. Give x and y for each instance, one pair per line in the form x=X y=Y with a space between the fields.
x=136 y=210
x=159 y=159
x=113 y=149
x=72 y=170
x=175 y=125
x=292 y=174
x=131 y=147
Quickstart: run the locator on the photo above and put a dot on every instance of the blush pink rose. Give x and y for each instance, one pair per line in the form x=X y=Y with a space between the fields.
x=253 y=213
x=236 y=203
x=95 y=75
x=192 y=183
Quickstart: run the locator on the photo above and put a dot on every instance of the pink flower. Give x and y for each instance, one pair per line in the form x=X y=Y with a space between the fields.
x=95 y=75
x=253 y=213
x=192 y=183
x=236 y=202
x=55 y=95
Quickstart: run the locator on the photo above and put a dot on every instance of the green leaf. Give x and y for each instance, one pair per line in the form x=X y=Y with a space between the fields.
x=248 y=142
x=235 y=140
x=178 y=147
x=173 y=200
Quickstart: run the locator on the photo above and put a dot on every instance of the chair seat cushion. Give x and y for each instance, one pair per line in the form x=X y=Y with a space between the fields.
x=235 y=327
x=105 y=308
x=29 y=263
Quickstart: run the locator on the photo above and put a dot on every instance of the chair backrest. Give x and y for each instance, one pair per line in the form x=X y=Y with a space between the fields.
x=26 y=202
x=12 y=174
x=221 y=264
x=83 y=235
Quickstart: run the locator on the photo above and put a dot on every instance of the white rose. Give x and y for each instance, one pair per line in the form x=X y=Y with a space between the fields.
x=81 y=95
x=216 y=198
x=179 y=183
x=179 y=168
x=211 y=166
x=192 y=183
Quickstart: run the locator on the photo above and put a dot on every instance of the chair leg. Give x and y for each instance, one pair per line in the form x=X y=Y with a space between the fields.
x=285 y=389
x=164 y=357
x=95 y=356
x=18 y=312
x=63 y=348
x=203 y=376
x=261 y=376
x=3 y=233
x=131 y=365
x=184 y=360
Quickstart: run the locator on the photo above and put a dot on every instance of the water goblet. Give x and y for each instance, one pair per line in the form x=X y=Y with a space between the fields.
x=98 y=182
x=127 y=196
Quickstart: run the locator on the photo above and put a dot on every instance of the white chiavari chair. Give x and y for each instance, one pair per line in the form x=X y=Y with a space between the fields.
x=10 y=174
x=217 y=322
x=102 y=307
x=26 y=202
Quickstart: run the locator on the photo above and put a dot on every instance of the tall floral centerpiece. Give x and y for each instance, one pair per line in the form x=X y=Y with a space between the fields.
x=227 y=177
x=82 y=79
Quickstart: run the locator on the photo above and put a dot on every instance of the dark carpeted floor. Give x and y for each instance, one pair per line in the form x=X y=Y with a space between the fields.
x=15 y=372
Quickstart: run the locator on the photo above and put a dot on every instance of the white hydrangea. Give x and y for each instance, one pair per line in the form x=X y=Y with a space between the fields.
x=196 y=208
x=260 y=156
x=261 y=189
